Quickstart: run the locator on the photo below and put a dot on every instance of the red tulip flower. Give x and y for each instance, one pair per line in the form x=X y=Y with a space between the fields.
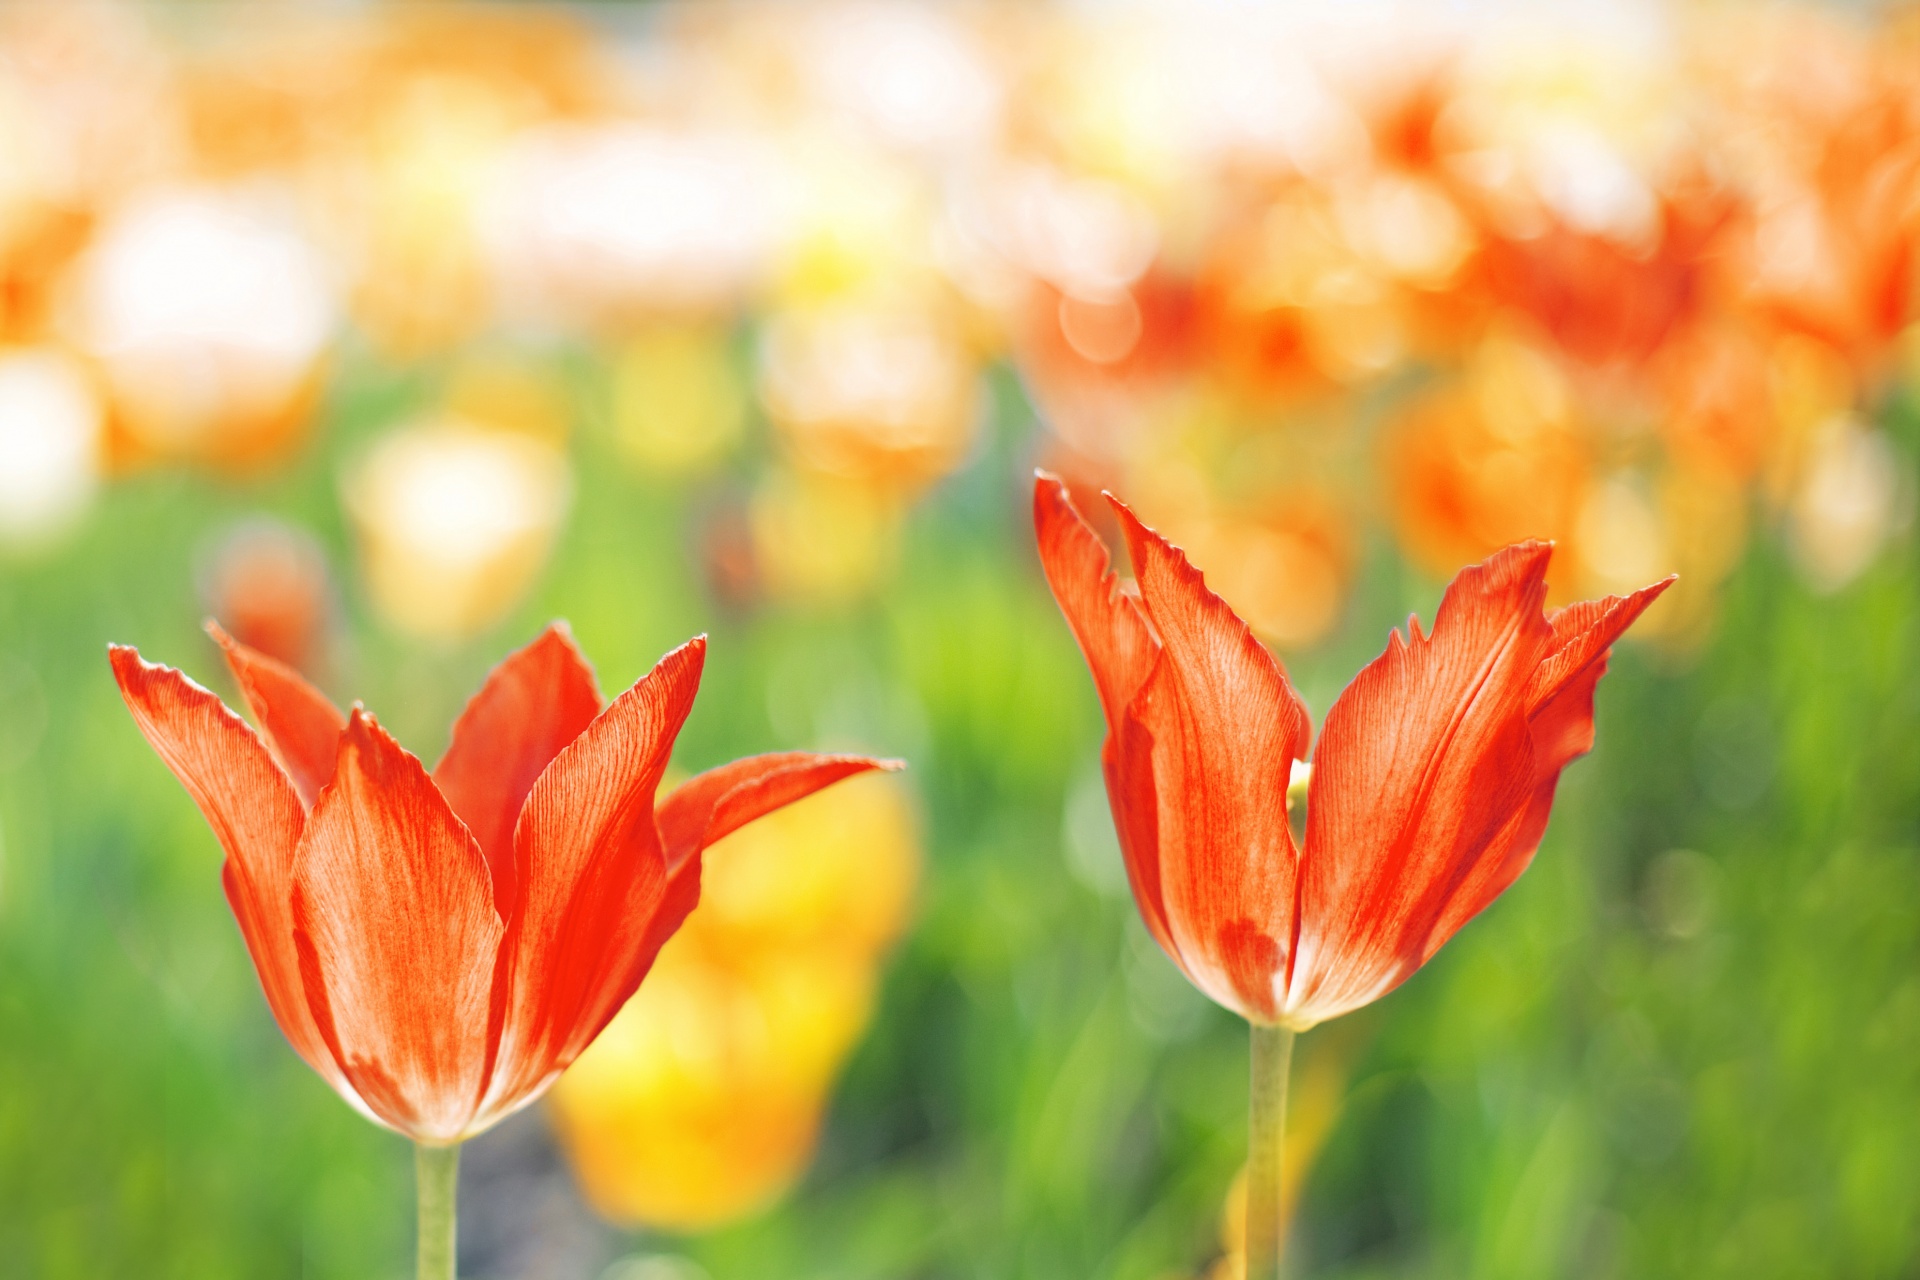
x=439 y=946
x=1429 y=791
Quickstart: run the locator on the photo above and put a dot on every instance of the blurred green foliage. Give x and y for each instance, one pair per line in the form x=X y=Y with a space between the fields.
x=1687 y=1044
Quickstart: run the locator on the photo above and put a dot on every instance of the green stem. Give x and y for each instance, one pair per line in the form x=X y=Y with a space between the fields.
x=437 y=1170
x=1266 y=1137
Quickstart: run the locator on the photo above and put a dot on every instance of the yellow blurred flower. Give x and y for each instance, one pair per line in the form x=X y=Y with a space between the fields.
x=679 y=397
x=423 y=107
x=454 y=522
x=821 y=538
x=512 y=391
x=702 y=1100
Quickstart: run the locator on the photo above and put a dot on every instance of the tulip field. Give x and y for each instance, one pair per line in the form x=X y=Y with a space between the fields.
x=563 y=714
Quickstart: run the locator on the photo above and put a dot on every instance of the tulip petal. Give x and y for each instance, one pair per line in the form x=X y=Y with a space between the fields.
x=714 y=804
x=595 y=885
x=299 y=723
x=1561 y=725
x=1582 y=634
x=1106 y=619
x=1225 y=726
x=255 y=814
x=1426 y=761
x=394 y=922
x=532 y=705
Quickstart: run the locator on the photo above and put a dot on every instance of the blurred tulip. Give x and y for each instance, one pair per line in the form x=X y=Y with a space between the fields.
x=510 y=392
x=1103 y=366
x=702 y=1100
x=1492 y=462
x=614 y=224
x=38 y=240
x=267 y=584
x=885 y=396
x=455 y=520
x=428 y=103
x=51 y=429
x=679 y=398
x=1309 y=294
x=822 y=537
x=1856 y=492
x=916 y=77
x=855 y=221
x=1824 y=125
x=431 y=151
x=209 y=312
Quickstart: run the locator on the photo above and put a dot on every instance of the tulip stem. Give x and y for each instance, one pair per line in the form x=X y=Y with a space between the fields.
x=437 y=1170
x=1266 y=1137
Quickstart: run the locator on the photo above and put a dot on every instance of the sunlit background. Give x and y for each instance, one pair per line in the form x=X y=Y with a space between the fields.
x=384 y=333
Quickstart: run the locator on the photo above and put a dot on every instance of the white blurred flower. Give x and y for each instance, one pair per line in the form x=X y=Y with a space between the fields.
x=602 y=222
x=913 y=74
x=51 y=422
x=1086 y=236
x=455 y=521
x=1853 y=494
x=209 y=309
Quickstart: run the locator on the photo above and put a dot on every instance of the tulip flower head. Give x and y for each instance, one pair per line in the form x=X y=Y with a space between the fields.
x=440 y=946
x=1430 y=787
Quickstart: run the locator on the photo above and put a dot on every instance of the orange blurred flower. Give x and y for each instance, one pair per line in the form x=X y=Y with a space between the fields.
x=1489 y=461
x=267 y=584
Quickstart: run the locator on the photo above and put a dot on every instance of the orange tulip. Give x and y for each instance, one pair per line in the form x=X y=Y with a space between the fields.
x=1430 y=788
x=440 y=946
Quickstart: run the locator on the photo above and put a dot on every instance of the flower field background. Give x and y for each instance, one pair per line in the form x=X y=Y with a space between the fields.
x=384 y=336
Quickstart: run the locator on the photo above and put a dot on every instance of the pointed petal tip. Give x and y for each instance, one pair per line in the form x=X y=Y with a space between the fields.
x=558 y=631
x=870 y=764
x=127 y=664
